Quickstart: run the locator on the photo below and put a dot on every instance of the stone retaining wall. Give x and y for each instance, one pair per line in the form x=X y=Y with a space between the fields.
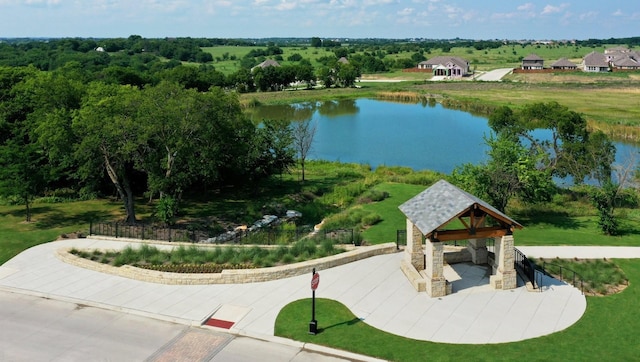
x=236 y=276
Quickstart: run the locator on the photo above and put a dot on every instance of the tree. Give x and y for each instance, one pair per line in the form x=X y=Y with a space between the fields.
x=303 y=135
x=24 y=167
x=274 y=151
x=347 y=75
x=610 y=193
x=316 y=42
x=571 y=150
x=511 y=171
x=109 y=135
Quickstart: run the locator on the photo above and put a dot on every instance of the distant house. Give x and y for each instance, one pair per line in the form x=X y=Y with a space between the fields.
x=455 y=67
x=267 y=63
x=532 y=61
x=343 y=60
x=622 y=58
x=564 y=63
x=626 y=63
x=595 y=62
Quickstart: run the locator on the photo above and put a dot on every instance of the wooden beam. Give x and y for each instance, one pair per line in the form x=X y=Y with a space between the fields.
x=489 y=232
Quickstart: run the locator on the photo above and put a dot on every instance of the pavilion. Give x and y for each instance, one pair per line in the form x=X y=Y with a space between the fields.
x=430 y=217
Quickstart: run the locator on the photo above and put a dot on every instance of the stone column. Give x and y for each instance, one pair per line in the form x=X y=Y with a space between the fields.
x=478 y=250
x=436 y=283
x=505 y=273
x=414 y=251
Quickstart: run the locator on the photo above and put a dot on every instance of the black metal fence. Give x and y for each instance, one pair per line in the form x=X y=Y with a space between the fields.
x=265 y=236
x=565 y=274
x=527 y=267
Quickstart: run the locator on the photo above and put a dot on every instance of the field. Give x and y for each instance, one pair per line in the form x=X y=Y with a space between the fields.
x=610 y=102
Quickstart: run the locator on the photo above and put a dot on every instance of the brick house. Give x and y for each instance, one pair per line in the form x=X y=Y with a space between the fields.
x=447 y=66
x=532 y=61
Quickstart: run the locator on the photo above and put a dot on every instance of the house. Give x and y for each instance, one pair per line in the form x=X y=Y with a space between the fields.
x=622 y=58
x=595 y=62
x=448 y=66
x=532 y=61
x=564 y=63
x=626 y=63
x=267 y=63
x=343 y=60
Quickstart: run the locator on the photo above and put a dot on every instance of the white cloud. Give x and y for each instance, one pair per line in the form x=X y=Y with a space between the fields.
x=618 y=13
x=286 y=5
x=405 y=12
x=588 y=15
x=551 y=9
x=526 y=7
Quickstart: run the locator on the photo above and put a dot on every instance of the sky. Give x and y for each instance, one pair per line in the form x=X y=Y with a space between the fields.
x=398 y=19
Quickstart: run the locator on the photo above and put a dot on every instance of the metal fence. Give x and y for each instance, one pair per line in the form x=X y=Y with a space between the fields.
x=527 y=267
x=565 y=274
x=265 y=236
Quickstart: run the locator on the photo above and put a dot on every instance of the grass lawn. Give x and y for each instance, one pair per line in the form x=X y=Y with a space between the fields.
x=49 y=221
x=546 y=227
x=607 y=331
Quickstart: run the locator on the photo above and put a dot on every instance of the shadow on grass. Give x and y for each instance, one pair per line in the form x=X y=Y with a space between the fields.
x=557 y=219
x=347 y=323
x=57 y=218
x=21 y=212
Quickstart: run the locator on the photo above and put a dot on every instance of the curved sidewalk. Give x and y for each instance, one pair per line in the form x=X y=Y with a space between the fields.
x=374 y=289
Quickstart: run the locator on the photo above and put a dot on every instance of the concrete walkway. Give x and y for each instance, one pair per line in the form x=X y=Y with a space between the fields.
x=495 y=75
x=374 y=289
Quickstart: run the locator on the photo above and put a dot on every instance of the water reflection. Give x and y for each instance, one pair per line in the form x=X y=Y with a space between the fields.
x=418 y=135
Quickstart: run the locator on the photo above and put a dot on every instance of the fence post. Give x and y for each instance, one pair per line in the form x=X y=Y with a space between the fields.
x=116 y=230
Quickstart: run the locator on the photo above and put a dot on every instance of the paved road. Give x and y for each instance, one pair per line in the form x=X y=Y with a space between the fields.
x=495 y=75
x=39 y=329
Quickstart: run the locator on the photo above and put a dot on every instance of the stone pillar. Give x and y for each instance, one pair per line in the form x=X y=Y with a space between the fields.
x=436 y=283
x=478 y=250
x=505 y=273
x=414 y=251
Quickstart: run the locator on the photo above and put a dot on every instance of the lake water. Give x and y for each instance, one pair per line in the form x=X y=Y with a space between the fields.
x=378 y=133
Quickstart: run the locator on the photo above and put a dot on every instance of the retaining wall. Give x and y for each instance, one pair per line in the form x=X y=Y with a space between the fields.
x=234 y=276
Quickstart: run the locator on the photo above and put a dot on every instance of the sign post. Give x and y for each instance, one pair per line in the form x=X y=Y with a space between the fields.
x=315 y=280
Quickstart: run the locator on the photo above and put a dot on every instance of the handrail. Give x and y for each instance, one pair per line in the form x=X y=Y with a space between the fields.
x=572 y=281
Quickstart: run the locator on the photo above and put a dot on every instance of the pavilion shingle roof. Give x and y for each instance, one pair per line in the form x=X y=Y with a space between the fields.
x=441 y=203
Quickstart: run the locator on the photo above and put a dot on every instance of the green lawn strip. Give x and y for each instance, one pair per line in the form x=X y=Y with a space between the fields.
x=542 y=229
x=49 y=221
x=607 y=331
x=392 y=218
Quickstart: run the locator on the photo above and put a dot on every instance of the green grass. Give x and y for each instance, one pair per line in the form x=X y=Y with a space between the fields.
x=182 y=259
x=49 y=221
x=607 y=331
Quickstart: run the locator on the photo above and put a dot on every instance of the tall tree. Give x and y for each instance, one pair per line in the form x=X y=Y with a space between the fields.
x=571 y=149
x=110 y=138
x=511 y=171
x=303 y=134
x=24 y=170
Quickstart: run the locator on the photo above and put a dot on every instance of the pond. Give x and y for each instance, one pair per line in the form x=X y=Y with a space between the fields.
x=374 y=132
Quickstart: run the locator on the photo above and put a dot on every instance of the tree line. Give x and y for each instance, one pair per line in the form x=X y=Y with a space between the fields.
x=160 y=140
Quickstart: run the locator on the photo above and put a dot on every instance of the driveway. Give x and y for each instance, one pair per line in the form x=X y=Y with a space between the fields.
x=495 y=75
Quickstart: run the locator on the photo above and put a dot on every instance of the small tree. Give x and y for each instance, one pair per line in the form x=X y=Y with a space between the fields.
x=303 y=135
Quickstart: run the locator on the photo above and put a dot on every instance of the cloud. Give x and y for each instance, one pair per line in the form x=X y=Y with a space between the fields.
x=550 y=9
x=588 y=15
x=405 y=12
x=618 y=13
x=526 y=7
